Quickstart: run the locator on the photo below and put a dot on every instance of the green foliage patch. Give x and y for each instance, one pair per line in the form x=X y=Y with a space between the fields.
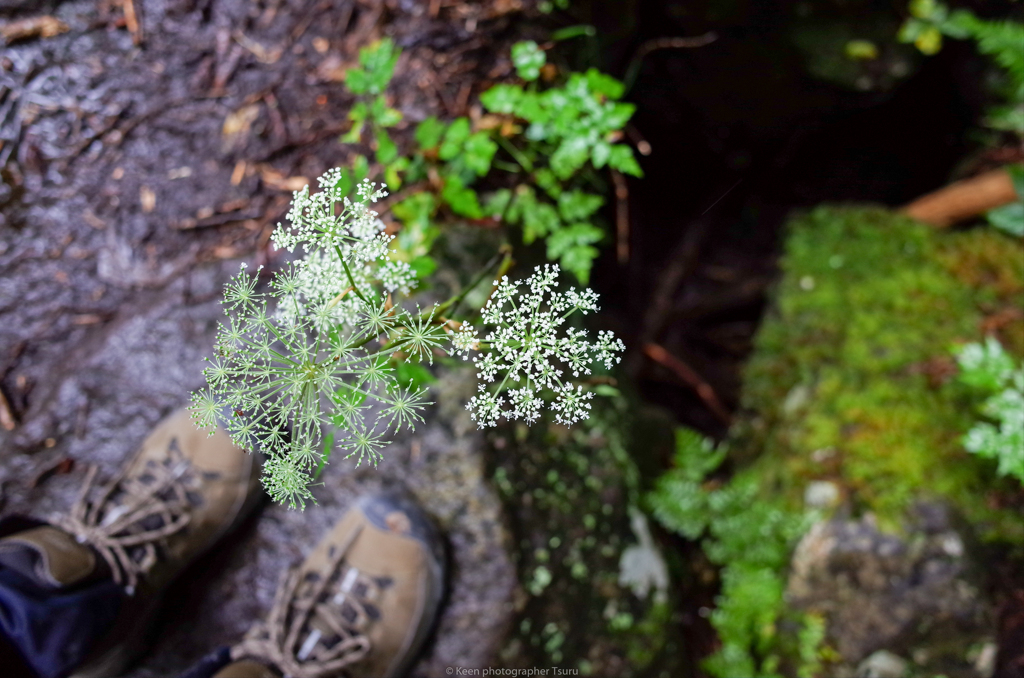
x=546 y=143
x=751 y=538
x=851 y=372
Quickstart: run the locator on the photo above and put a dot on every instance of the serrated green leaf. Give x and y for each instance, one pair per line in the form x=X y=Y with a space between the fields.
x=523 y=199
x=528 y=59
x=570 y=155
x=502 y=98
x=479 y=151
x=600 y=154
x=547 y=180
x=387 y=150
x=622 y=159
x=600 y=83
x=539 y=219
x=564 y=239
x=357 y=80
x=454 y=139
x=429 y=132
x=461 y=199
x=576 y=205
x=378 y=61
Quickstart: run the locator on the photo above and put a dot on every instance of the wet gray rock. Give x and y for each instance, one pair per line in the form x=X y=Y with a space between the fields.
x=916 y=596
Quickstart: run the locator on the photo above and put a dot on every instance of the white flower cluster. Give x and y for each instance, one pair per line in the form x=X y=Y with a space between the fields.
x=528 y=350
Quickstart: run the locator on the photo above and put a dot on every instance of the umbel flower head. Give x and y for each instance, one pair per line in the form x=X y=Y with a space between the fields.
x=314 y=350
x=317 y=348
x=527 y=352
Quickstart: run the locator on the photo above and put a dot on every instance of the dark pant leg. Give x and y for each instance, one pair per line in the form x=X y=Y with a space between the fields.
x=53 y=630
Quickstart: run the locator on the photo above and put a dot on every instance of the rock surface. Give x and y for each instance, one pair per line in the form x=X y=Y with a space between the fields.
x=919 y=596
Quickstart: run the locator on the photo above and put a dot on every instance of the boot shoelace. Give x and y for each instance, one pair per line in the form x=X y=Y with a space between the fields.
x=131 y=515
x=290 y=641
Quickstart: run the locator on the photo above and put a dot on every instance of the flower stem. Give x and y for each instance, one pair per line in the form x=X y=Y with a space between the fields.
x=505 y=256
x=351 y=281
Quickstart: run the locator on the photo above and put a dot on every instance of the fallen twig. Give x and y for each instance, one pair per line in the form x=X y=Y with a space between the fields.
x=704 y=390
x=7 y=419
x=33 y=27
x=132 y=21
x=633 y=70
x=964 y=199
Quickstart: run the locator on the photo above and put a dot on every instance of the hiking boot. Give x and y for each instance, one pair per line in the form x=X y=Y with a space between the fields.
x=360 y=606
x=180 y=493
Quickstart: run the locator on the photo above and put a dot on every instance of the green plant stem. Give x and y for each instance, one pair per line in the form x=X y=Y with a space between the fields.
x=351 y=281
x=504 y=254
x=523 y=161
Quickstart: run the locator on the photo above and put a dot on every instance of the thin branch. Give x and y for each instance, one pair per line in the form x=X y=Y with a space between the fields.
x=690 y=377
x=621 y=217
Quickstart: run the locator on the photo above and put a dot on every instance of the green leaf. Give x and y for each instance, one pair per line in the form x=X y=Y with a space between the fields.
x=929 y=41
x=575 y=235
x=360 y=168
x=922 y=9
x=378 y=61
x=460 y=199
x=564 y=239
x=424 y=266
x=480 y=151
x=1008 y=218
x=571 y=155
x=390 y=117
x=577 y=205
x=539 y=219
x=357 y=80
x=502 y=98
x=547 y=180
x=429 y=133
x=532 y=108
x=528 y=59
x=600 y=83
x=386 y=148
x=622 y=159
x=573 y=32
x=617 y=116
x=910 y=29
x=525 y=198
x=1016 y=173
x=417 y=234
x=600 y=154
x=391 y=173
x=454 y=139
x=412 y=375
x=497 y=202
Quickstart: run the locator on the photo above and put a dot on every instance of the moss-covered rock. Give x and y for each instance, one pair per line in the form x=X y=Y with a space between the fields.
x=594 y=585
x=850 y=381
x=851 y=408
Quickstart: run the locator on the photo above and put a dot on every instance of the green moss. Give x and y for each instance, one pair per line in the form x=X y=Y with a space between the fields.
x=855 y=359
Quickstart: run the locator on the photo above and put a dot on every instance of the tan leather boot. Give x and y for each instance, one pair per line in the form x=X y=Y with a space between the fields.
x=180 y=493
x=361 y=605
